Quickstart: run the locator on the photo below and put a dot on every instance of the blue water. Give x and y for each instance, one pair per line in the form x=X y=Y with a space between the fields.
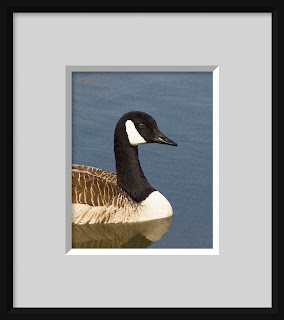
x=182 y=105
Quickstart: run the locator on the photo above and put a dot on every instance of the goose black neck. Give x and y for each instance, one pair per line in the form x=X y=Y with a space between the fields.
x=130 y=176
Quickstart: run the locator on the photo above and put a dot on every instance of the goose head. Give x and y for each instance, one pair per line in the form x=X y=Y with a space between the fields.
x=139 y=128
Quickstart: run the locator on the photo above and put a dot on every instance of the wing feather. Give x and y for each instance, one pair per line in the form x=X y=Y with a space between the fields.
x=98 y=190
x=96 y=187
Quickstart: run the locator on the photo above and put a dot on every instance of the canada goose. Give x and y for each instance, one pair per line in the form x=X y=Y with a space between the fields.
x=100 y=196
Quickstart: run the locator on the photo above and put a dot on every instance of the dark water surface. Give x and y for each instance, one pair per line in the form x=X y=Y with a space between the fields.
x=182 y=105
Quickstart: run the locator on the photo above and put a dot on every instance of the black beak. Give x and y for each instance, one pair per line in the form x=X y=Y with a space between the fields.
x=161 y=138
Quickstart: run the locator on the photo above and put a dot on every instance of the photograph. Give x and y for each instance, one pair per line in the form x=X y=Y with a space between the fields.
x=144 y=147
x=142 y=160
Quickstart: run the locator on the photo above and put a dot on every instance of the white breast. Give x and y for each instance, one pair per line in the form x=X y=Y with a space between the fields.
x=155 y=206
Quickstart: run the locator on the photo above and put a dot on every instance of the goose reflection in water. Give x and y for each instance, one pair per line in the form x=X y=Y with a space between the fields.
x=122 y=235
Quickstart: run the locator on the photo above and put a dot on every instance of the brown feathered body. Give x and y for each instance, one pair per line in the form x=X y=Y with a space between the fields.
x=96 y=197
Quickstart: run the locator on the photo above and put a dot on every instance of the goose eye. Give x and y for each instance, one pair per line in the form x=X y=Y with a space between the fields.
x=141 y=125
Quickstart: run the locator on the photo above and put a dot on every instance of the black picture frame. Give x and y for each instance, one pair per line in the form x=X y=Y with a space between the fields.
x=7 y=10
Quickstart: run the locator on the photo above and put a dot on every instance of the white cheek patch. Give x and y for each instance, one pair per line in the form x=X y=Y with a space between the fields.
x=134 y=136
